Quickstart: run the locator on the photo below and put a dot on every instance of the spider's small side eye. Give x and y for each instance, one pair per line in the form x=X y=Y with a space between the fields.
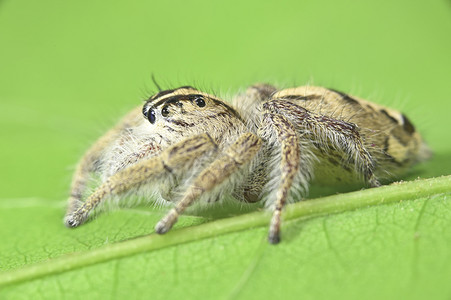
x=200 y=102
x=151 y=116
x=165 y=111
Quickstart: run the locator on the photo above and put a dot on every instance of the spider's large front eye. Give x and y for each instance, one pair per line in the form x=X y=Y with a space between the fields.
x=200 y=102
x=151 y=116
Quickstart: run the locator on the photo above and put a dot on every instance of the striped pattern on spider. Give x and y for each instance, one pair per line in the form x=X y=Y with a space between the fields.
x=185 y=146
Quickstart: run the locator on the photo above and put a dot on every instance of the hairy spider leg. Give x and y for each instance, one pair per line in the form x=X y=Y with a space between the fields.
x=173 y=158
x=241 y=152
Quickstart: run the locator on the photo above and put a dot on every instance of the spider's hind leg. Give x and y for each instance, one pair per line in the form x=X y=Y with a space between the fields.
x=342 y=135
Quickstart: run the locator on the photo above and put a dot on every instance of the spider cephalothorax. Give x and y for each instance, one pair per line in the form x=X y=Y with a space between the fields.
x=267 y=145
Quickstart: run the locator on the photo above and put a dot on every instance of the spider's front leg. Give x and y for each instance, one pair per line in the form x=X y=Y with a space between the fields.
x=176 y=157
x=90 y=159
x=239 y=153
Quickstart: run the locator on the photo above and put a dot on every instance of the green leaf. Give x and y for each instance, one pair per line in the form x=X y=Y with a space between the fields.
x=396 y=233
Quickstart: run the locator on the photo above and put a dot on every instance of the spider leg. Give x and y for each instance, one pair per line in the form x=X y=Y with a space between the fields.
x=239 y=153
x=290 y=166
x=174 y=158
x=89 y=161
x=341 y=134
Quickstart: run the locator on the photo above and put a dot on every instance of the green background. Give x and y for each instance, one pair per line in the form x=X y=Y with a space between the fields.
x=69 y=70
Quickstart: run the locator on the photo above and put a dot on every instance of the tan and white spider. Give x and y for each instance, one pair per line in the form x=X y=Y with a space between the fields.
x=185 y=145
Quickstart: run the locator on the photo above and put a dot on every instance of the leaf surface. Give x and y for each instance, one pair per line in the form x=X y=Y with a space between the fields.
x=396 y=235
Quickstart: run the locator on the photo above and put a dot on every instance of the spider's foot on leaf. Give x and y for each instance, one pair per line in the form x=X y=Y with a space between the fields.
x=274 y=228
x=374 y=182
x=274 y=238
x=71 y=222
x=167 y=222
x=75 y=219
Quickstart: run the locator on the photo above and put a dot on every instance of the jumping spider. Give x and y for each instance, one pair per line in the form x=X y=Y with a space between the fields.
x=268 y=145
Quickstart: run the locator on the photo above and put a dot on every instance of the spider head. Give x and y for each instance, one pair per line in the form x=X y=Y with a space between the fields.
x=187 y=109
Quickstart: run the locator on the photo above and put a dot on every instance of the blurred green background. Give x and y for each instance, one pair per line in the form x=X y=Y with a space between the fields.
x=70 y=69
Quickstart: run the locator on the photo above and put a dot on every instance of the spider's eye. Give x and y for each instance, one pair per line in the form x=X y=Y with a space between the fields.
x=165 y=111
x=200 y=102
x=151 y=116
